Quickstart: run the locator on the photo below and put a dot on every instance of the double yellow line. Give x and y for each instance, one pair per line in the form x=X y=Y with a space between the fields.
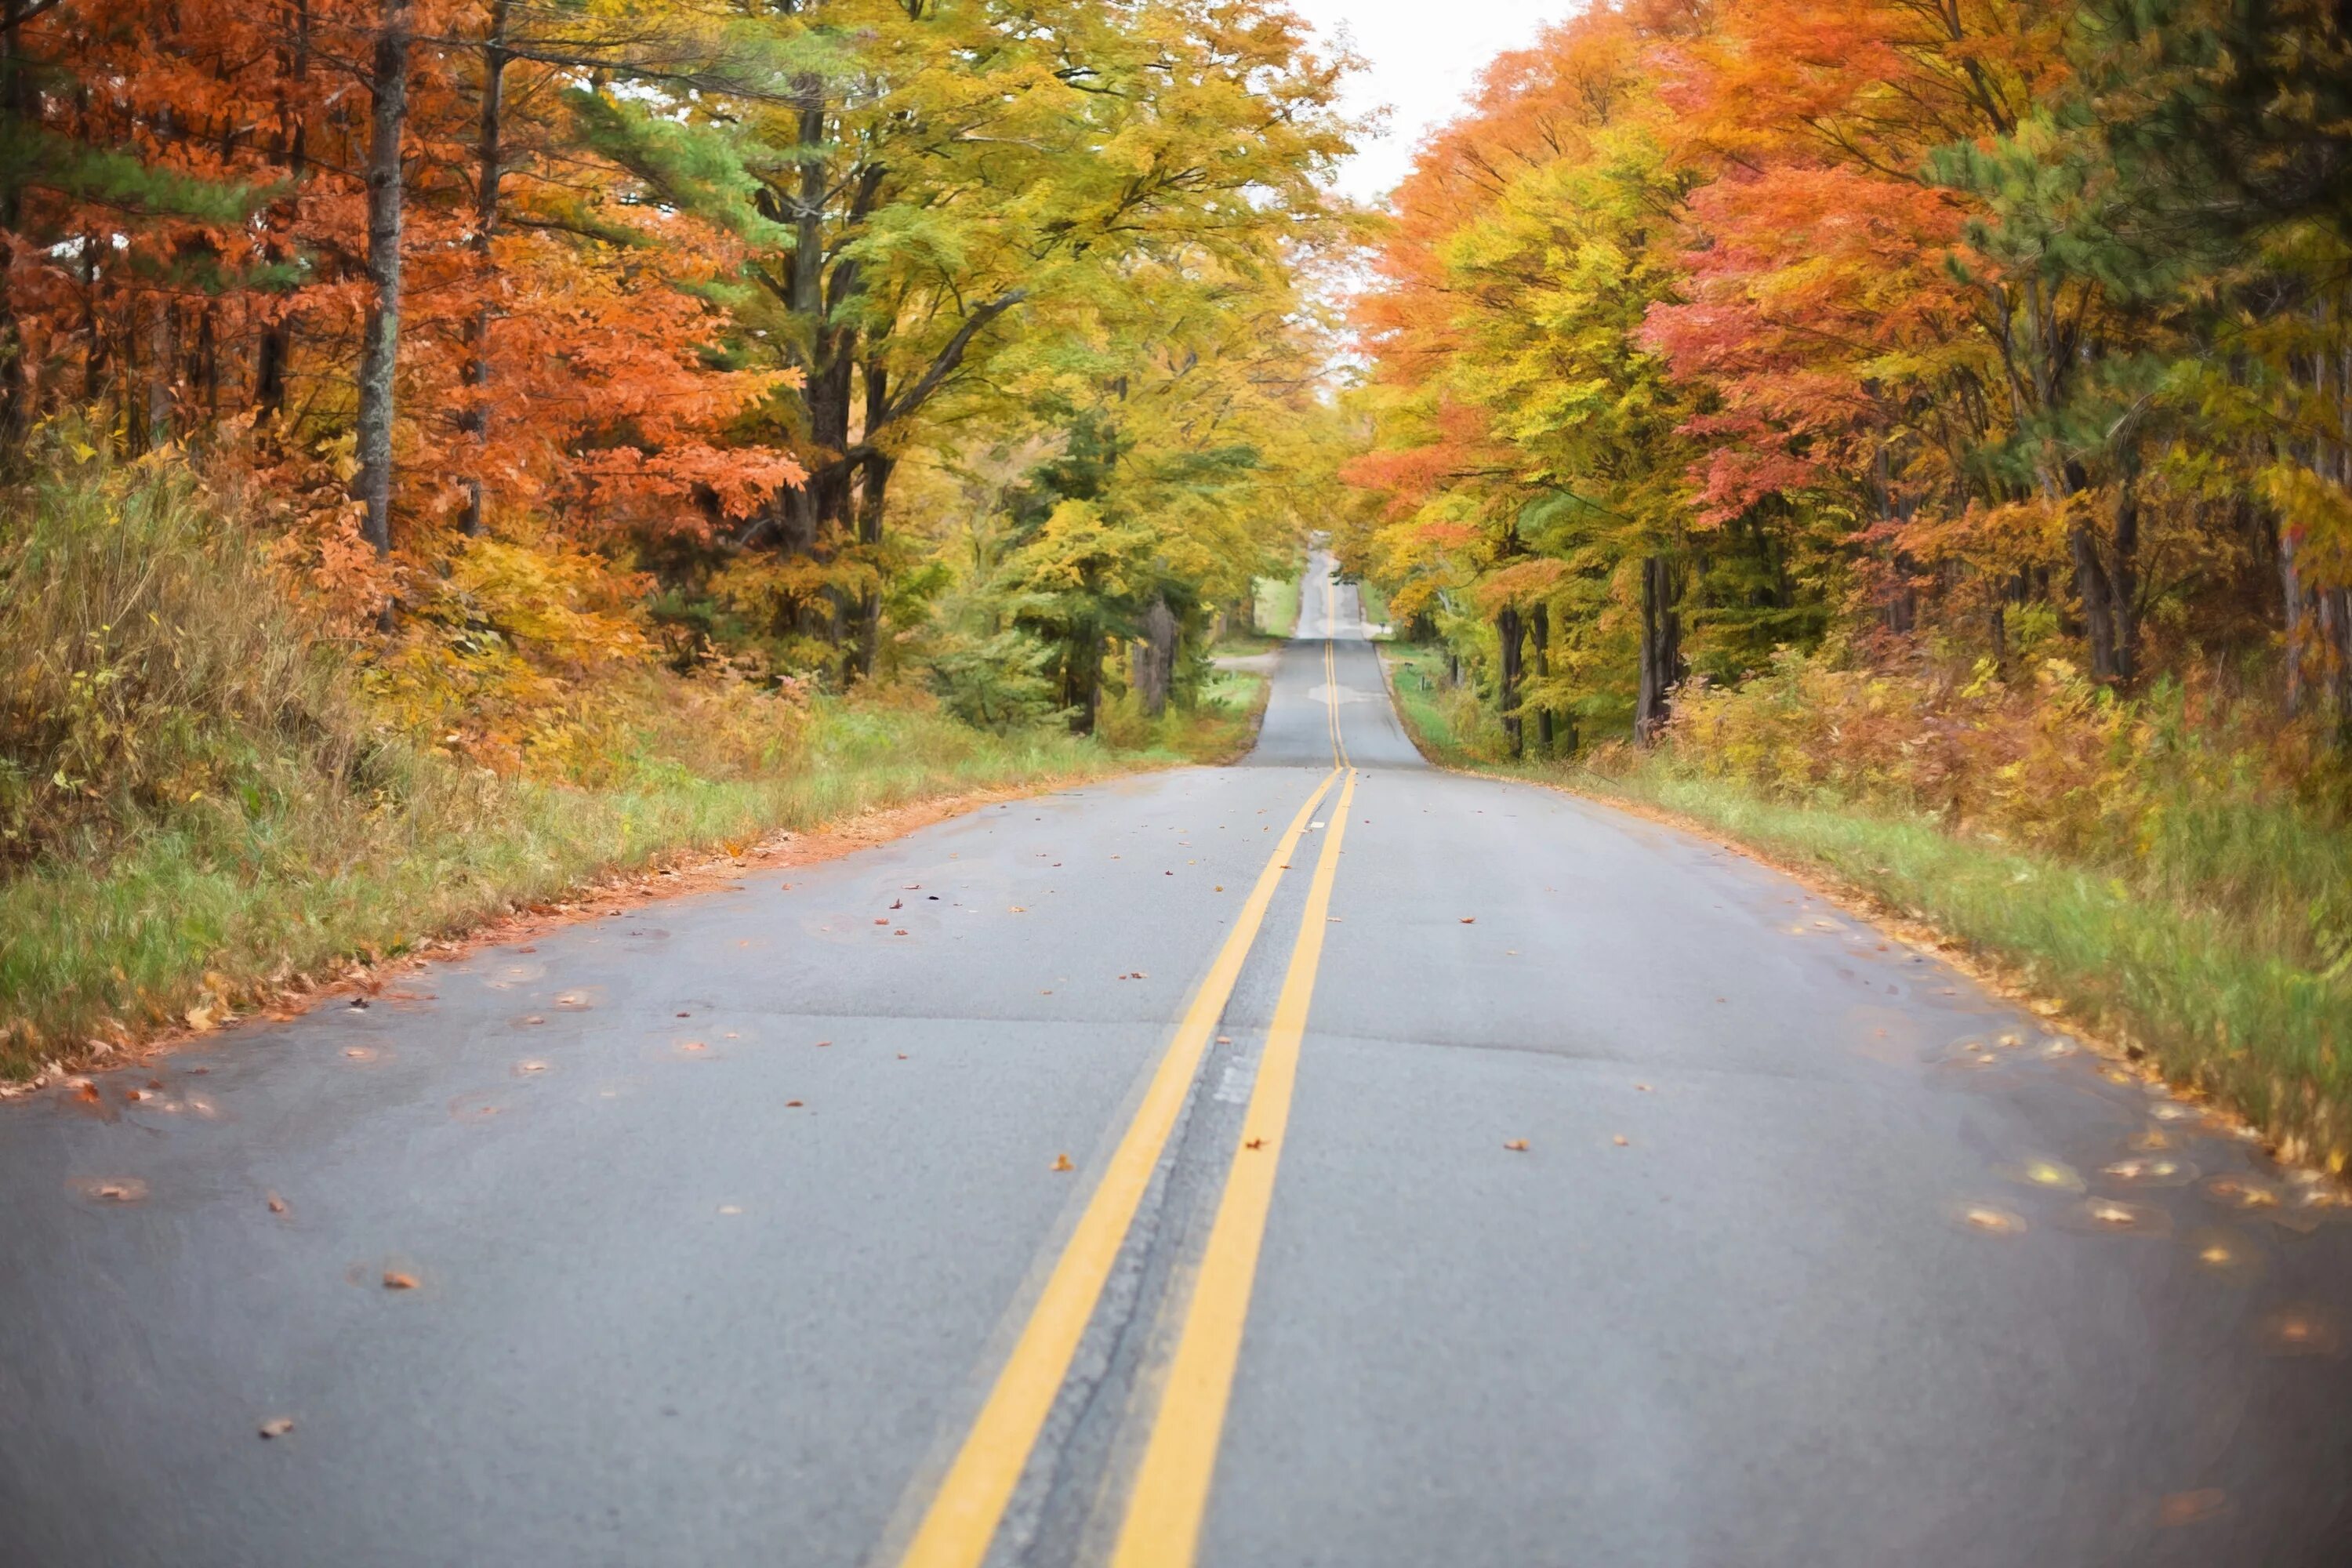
x=1171 y=1488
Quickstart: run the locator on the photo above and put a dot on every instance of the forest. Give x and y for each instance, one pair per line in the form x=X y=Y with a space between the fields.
x=432 y=425
x=1989 y=338
x=511 y=309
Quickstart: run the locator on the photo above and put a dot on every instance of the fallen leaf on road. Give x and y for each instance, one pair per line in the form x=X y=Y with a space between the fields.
x=2223 y=1253
x=113 y=1189
x=2156 y=1170
x=2112 y=1216
x=898 y=903
x=2190 y=1508
x=1224 y=1039
x=1469 y=919
x=1990 y=1220
x=1016 y=909
x=534 y=1018
x=1221 y=886
x=1516 y=1145
x=900 y=932
x=880 y=922
x=2300 y=1331
x=393 y=1279
x=1062 y=1162
x=2243 y=1192
x=277 y=1426
x=2046 y=1173
x=1621 y=1141
x=276 y=1204
x=1255 y=1143
x=730 y=1208
x=794 y=1104
x=1642 y=1087
x=902 y=1056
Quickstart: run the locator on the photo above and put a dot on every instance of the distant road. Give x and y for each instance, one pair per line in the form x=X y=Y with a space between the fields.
x=1457 y=1174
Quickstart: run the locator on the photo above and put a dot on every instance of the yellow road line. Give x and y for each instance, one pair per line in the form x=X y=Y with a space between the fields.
x=1162 y=1529
x=963 y=1515
x=1332 y=671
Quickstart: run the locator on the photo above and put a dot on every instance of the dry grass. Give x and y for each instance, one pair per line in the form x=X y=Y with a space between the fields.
x=202 y=809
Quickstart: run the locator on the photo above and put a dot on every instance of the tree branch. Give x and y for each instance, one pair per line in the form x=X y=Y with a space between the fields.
x=950 y=357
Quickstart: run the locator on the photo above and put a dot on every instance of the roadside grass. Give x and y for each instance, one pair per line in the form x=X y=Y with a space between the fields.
x=1446 y=722
x=1219 y=726
x=201 y=812
x=1277 y=607
x=2190 y=961
x=179 y=923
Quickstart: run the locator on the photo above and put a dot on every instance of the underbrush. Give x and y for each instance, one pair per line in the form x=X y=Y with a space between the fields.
x=1219 y=726
x=205 y=800
x=1278 y=606
x=1444 y=717
x=2183 y=794
x=2175 y=868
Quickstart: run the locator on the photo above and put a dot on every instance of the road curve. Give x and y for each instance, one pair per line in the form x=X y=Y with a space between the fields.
x=1177 y=1169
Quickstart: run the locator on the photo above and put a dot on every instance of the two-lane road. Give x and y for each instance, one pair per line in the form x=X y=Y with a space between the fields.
x=1322 y=1161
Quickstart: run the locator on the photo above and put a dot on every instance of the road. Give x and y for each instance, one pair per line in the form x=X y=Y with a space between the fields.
x=1504 y=1181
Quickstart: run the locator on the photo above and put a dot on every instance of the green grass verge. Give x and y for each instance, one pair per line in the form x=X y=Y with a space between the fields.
x=172 y=922
x=2175 y=978
x=1443 y=719
x=1277 y=607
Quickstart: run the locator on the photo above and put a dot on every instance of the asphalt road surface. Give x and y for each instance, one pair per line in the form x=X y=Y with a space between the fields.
x=1506 y=1181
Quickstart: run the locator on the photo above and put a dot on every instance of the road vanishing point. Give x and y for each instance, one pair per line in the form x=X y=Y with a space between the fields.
x=1323 y=1161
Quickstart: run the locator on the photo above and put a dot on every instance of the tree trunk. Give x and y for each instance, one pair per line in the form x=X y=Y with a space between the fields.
x=487 y=173
x=819 y=507
x=1154 y=665
x=1082 y=679
x=2099 y=600
x=97 y=356
x=275 y=358
x=163 y=364
x=2292 y=597
x=2334 y=615
x=873 y=504
x=16 y=378
x=2123 y=576
x=1662 y=649
x=380 y=350
x=1540 y=641
x=873 y=501
x=1508 y=632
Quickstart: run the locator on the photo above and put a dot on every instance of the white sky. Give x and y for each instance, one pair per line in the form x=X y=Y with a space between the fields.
x=1425 y=56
